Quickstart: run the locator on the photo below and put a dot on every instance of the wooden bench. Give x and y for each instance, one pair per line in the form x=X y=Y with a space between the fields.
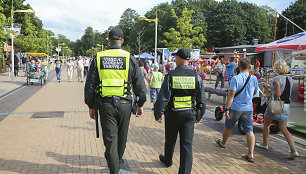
x=217 y=92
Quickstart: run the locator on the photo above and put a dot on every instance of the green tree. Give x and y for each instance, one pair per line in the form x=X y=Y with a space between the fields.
x=186 y=36
x=296 y=12
x=3 y=32
x=207 y=9
x=88 y=39
x=77 y=48
x=256 y=21
x=229 y=28
x=127 y=23
x=165 y=22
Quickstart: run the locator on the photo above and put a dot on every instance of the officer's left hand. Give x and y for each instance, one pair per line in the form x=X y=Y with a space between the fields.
x=92 y=113
x=198 y=121
x=159 y=120
x=139 y=111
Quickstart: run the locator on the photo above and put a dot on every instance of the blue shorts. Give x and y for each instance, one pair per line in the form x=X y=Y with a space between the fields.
x=153 y=94
x=246 y=117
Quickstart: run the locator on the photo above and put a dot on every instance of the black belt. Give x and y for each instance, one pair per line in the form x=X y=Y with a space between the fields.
x=110 y=100
x=181 y=109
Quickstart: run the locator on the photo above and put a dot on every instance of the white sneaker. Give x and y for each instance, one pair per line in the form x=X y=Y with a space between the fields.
x=293 y=155
x=261 y=146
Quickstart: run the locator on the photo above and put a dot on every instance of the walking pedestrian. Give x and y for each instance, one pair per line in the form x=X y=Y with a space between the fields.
x=182 y=99
x=80 y=69
x=24 y=64
x=240 y=106
x=220 y=70
x=44 y=67
x=70 y=67
x=155 y=81
x=8 y=64
x=147 y=65
x=230 y=70
x=86 y=66
x=114 y=72
x=144 y=72
x=58 y=68
x=282 y=87
x=256 y=71
x=16 y=65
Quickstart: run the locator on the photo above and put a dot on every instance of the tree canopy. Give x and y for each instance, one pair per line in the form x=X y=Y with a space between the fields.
x=186 y=36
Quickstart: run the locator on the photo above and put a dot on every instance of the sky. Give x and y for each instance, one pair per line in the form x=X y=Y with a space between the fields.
x=71 y=17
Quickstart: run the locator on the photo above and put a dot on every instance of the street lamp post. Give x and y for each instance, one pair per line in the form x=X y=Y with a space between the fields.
x=156 y=22
x=12 y=26
x=64 y=52
x=58 y=49
x=48 y=46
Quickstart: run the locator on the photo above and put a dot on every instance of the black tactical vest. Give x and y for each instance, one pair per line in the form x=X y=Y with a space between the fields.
x=183 y=88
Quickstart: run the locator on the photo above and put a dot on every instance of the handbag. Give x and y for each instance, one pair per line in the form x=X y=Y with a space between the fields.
x=275 y=106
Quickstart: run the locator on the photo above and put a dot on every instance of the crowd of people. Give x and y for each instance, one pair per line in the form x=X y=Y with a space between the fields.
x=31 y=64
x=81 y=65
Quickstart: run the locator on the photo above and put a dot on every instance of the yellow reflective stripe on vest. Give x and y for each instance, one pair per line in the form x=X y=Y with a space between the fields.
x=183 y=82
x=182 y=102
x=113 y=68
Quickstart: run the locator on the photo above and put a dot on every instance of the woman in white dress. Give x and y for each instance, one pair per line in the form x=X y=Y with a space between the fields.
x=70 y=67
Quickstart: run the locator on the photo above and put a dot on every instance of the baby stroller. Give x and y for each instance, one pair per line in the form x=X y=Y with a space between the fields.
x=258 y=115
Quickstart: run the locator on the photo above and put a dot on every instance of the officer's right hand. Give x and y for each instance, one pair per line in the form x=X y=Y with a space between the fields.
x=139 y=111
x=159 y=120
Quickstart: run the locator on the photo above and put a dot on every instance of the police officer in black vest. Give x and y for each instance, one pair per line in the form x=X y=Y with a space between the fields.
x=109 y=87
x=182 y=100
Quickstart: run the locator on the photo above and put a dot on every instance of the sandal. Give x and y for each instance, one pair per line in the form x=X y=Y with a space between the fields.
x=218 y=141
x=251 y=160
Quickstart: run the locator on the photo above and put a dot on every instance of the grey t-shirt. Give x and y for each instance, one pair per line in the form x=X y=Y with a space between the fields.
x=221 y=69
x=282 y=82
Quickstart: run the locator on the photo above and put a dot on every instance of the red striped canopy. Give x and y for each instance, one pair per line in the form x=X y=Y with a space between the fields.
x=293 y=42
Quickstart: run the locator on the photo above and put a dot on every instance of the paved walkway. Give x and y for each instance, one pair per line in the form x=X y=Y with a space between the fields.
x=6 y=84
x=68 y=144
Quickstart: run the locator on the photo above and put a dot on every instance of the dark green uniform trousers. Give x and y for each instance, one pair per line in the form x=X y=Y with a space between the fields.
x=181 y=122
x=115 y=124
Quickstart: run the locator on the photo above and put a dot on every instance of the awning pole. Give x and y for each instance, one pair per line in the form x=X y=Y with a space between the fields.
x=274 y=37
